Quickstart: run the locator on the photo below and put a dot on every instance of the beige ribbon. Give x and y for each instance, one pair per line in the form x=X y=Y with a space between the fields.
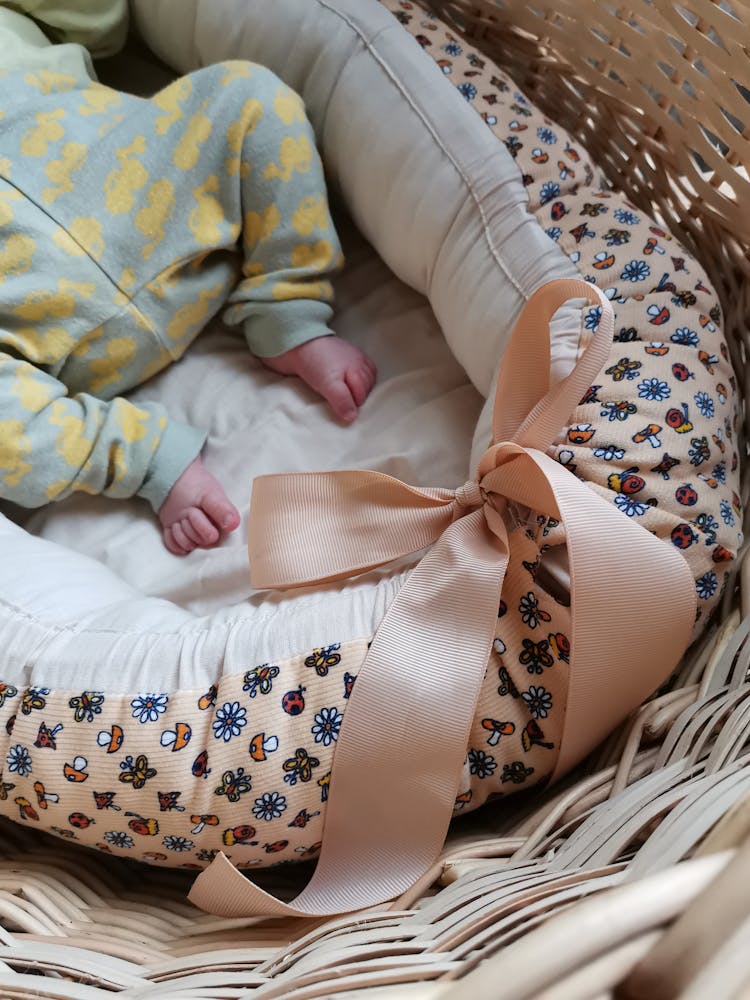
x=404 y=737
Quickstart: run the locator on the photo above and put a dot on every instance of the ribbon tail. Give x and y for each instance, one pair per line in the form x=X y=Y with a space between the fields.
x=342 y=523
x=630 y=591
x=403 y=741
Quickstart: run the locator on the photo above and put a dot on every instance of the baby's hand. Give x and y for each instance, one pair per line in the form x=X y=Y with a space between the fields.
x=196 y=511
x=339 y=371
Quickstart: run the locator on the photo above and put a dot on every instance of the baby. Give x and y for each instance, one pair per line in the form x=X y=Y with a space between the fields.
x=125 y=225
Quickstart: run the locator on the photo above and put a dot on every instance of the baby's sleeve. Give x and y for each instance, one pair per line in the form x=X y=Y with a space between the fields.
x=53 y=444
x=101 y=26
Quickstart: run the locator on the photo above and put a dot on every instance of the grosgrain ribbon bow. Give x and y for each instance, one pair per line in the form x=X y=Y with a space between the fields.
x=403 y=741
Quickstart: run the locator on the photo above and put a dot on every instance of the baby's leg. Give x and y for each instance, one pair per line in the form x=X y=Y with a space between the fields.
x=289 y=245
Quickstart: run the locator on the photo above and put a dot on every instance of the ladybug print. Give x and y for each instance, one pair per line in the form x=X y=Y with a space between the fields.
x=686 y=495
x=558 y=211
x=276 y=846
x=681 y=372
x=683 y=536
x=80 y=820
x=293 y=703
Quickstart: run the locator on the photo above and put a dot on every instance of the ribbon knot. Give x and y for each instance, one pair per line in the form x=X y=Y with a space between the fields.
x=402 y=744
x=469 y=497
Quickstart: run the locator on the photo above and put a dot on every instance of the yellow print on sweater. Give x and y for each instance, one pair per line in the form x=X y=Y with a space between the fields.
x=155 y=365
x=14 y=447
x=169 y=101
x=41 y=347
x=289 y=106
x=71 y=443
x=32 y=389
x=49 y=82
x=35 y=141
x=120 y=185
x=59 y=303
x=236 y=70
x=120 y=352
x=59 y=171
x=284 y=291
x=6 y=209
x=151 y=219
x=83 y=236
x=317 y=256
x=126 y=281
x=259 y=226
x=206 y=218
x=109 y=124
x=193 y=315
x=16 y=256
x=311 y=213
x=84 y=345
x=294 y=155
x=166 y=280
x=195 y=135
x=98 y=100
x=251 y=114
x=131 y=420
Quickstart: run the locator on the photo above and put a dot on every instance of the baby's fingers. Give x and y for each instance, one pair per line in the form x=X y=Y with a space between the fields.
x=341 y=400
x=360 y=380
x=171 y=543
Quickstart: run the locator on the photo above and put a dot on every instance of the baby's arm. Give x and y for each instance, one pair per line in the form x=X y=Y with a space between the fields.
x=53 y=444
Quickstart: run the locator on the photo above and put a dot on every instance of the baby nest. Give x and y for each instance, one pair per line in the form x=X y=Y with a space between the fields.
x=154 y=709
x=523 y=878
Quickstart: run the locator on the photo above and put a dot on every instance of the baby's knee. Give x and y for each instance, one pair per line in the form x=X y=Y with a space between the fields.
x=239 y=77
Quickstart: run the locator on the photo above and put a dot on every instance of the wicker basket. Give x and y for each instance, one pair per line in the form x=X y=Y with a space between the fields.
x=628 y=880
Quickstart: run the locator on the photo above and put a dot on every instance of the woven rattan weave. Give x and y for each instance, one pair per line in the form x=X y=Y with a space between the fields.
x=648 y=898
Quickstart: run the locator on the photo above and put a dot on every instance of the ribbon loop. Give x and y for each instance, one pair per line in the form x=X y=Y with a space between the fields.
x=312 y=527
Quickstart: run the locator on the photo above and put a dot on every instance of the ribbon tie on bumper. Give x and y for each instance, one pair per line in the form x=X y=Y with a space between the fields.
x=395 y=772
